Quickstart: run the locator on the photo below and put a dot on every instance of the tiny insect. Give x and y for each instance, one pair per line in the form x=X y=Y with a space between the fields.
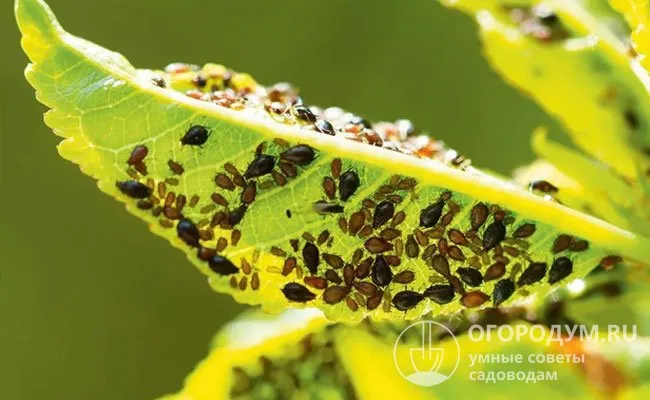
x=197 y=135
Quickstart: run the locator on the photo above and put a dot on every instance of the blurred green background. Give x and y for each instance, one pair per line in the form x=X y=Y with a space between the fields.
x=92 y=306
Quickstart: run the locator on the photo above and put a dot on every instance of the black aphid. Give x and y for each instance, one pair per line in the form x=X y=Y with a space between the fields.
x=323 y=207
x=441 y=294
x=543 y=186
x=493 y=235
x=430 y=215
x=561 y=268
x=262 y=164
x=534 y=273
x=222 y=266
x=303 y=113
x=383 y=213
x=502 y=291
x=471 y=276
x=300 y=155
x=348 y=184
x=381 y=272
x=197 y=135
x=236 y=215
x=324 y=126
x=297 y=292
x=134 y=189
x=188 y=232
x=407 y=299
x=311 y=257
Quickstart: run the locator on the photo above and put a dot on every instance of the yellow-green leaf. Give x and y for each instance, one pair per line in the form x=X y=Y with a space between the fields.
x=299 y=230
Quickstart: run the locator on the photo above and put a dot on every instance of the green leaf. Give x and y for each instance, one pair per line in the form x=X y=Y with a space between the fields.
x=637 y=14
x=297 y=354
x=104 y=109
x=570 y=57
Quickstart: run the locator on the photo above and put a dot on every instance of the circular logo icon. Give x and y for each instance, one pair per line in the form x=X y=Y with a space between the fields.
x=422 y=361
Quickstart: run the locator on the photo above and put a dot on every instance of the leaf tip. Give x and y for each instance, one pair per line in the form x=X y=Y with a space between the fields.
x=36 y=21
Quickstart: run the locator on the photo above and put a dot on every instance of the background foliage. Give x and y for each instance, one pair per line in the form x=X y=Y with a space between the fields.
x=91 y=304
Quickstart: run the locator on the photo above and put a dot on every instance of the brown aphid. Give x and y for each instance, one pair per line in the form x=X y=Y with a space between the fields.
x=329 y=186
x=172 y=213
x=308 y=237
x=181 y=200
x=194 y=200
x=246 y=266
x=376 y=245
x=322 y=237
x=243 y=283
x=206 y=234
x=447 y=218
x=429 y=252
x=494 y=271
x=352 y=305
x=399 y=217
x=358 y=297
x=334 y=294
x=289 y=265
x=357 y=220
x=333 y=277
x=366 y=288
x=233 y=282
x=442 y=246
x=356 y=256
x=474 y=299
x=478 y=215
x=390 y=234
x=219 y=199
x=222 y=243
x=276 y=251
x=278 y=178
x=399 y=247
x=610 y=261
x=579 y=245
x=455 y=253
x=512 y=251
x=375 y=300
x=218 y=218
x=316 y=282
x=255 y=281
x=165 y=223
x=249 y=193
x=543 y=186
x=457 y=237
x=471 y=276
x=440 y=264
x=335 y=167
x=561 y=243
x=412 y=248
x=343 y=225
x=365 y=231
x=524 y=231
x=421 y=238
x=393 y=261
x=363 y=270
x=231 y=169
x=287 y=169
x=348 y=274
x=132 y=173
x=367 y=203
x=406 y=184
x=404 y=277
x=456 y=284
x=202 y=223
x=172 y=181
x=204 y=253
x=297 y=293
x=266 y=185
x=224 y=182
x=137 y=155
x=141 y=167
x=206 y=209
x=175 y=167
x=333 y=260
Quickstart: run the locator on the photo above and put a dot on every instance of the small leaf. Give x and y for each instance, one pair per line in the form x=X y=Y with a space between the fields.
x=576 y=68
x=228 y=179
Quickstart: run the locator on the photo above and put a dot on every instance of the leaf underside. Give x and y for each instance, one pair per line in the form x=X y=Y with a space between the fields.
x=302 y=239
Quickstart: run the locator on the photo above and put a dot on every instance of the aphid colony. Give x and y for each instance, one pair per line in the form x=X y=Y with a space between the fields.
x=281 y=374
x=281 y=102
x=409 y=243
